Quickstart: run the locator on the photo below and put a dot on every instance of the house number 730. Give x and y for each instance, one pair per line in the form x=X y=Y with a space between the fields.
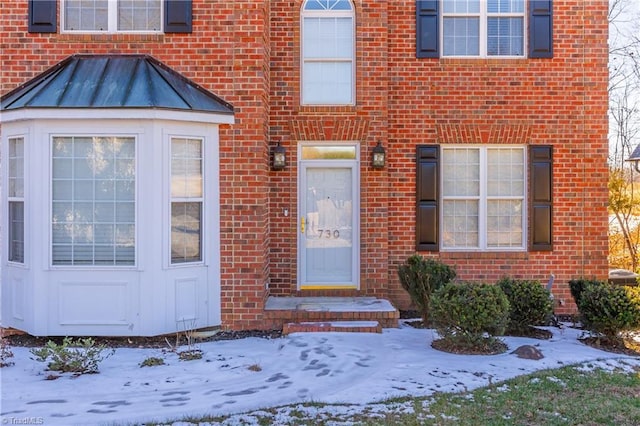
x=328 y=233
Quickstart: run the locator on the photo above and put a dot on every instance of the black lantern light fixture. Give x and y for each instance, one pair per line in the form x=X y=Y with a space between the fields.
x=378 y=156
x=278 y=157
x=635 y=158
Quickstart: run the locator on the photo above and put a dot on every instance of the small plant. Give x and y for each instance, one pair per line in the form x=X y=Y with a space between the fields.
x=192 y=352
x=152 y=361
x=467 y=316
x=80 y=357
x=254 y=367
x=610 y=309
x=529 y=304
x=5 y=353
x=420 y=277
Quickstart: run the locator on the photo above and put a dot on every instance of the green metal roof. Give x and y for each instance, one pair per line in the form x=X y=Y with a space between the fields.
x=113 y=81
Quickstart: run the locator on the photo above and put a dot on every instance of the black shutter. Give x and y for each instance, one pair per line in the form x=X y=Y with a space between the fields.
x=42 y=16
x=177 y=16
x=541 y=29
x=428 y=157
x=427 y=34
x=541 y=163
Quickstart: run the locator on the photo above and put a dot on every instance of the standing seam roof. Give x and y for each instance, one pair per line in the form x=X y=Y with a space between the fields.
x=113 y=81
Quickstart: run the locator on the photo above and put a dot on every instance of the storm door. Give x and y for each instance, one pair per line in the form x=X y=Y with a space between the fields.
x=328 y=228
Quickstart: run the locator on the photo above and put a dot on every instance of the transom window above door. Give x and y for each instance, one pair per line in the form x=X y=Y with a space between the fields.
x=328 y=52
x=112 y=15
x=483 y=27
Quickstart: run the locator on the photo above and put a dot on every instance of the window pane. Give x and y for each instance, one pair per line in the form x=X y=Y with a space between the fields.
x=16 y=231
x=327 y=83
x=86 y=15
x=91 y=210
x=505 y=172
x=505 y=36
x=138 y=15
x=328 y=38
x=505 y=6
x=186 y=168
x=460 y=223
x=327 y=5
x=461 y=36
x=461 y=172
x=504 y=223
x=461 y=6
x=186 y=232
x=16 y=168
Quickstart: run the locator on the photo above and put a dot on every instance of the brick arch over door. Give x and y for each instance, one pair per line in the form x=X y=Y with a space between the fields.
x=329 y=129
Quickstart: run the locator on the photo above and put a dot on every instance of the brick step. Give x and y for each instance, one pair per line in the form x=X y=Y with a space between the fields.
x=280 y=311
x=332 y=326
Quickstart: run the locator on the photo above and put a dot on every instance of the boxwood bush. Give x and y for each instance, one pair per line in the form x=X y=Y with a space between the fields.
x=577 y=286
x=529 y=304
x=609 y=309
x=420 y=277
x=469 y=315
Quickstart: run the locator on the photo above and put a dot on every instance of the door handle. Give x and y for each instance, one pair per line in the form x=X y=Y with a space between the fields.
x=302 y=223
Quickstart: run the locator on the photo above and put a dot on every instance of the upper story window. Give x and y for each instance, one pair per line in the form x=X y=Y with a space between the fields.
x=483 y=27
x=112 y=16
x=328 y=53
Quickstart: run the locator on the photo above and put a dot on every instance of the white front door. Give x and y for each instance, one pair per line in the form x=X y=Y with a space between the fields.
x=328 y=227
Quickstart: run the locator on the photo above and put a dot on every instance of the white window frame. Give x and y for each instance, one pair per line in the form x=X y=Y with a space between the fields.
x=483 y=199
x=483 y=17
x=329 y=14
x=16 y=199
x=187 y=199
x=112 y=21
x=136 y=202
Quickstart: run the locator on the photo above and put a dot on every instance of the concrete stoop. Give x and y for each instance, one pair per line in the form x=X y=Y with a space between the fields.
x=325 y=314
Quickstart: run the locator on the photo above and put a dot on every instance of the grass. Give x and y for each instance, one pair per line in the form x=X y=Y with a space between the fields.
x=565 y=396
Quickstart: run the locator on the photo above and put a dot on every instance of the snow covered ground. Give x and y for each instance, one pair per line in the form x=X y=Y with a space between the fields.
x=240 y=376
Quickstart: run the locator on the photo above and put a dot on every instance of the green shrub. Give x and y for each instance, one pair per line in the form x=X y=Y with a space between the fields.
x=420 y=277
x=610 y=309
x=577 y=286
x=469 y=314
x=529 y=303
x=80 y=357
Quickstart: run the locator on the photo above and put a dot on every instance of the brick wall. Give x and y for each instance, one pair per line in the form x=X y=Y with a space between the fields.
x=248 y=53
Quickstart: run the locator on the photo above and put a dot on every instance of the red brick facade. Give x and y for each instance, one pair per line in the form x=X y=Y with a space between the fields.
x=248 y=53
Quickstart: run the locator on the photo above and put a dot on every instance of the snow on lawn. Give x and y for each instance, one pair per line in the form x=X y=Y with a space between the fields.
x=248 y=375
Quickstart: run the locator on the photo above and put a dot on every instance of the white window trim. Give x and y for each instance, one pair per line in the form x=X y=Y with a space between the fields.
x=202 y=200
x=482 y=202
x=483 y=16
x=329 y=14
x=112 y=22
x=136 y=233
x=13 y=199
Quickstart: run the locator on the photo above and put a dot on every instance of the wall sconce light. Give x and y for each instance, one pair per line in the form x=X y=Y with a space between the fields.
x=635 y=158
x=279 y=157
x=378 y=156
